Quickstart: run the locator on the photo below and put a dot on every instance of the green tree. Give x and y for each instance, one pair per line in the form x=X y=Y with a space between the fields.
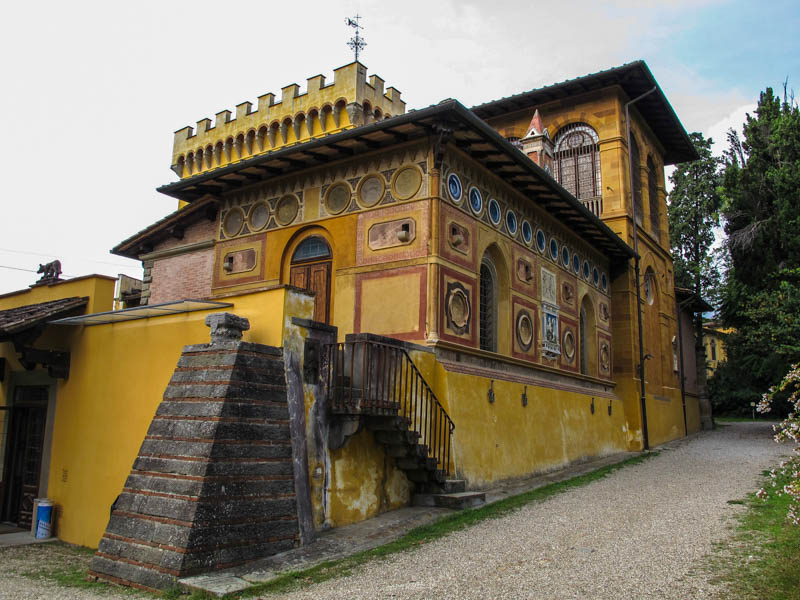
x=693 y=212
x=761 y=293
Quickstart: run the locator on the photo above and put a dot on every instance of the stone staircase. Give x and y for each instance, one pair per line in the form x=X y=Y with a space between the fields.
x=393 y=414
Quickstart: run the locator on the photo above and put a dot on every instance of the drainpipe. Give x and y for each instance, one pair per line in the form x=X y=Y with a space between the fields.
x=643 y=399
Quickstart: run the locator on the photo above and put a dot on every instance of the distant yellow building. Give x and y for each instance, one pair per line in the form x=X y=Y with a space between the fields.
x=452 y=291
x=714 y=338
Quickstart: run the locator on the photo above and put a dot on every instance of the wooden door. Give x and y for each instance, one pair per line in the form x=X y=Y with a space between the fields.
x=315 y=277
x=24 y=454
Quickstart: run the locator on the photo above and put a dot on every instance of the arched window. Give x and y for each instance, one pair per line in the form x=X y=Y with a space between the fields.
x=652 y=193
x=637 y=181
x=488 y=306
x=587 y=355
x=713 y=350
x=310 y=269
x=576 y=164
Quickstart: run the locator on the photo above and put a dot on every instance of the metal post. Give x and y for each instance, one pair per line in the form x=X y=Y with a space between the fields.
x=643 y=399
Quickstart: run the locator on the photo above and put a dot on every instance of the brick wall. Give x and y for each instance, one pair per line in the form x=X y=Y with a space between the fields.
x=186 y=275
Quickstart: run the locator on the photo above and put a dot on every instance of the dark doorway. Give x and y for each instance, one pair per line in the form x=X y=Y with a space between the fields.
x=311 y=270
x=23 y=454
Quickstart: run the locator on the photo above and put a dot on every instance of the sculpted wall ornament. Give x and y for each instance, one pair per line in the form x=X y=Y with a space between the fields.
x=457 y=308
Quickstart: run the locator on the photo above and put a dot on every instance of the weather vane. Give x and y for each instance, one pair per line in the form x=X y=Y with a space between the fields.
x=356 y=42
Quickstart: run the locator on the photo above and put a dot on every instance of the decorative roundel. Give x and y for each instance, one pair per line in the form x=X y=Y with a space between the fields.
x=454 y=187
x=511 y=222
x=569 y=344
x=527 y=232
x=370 y=190
x=495 y=216
x=475 y=200
x=565 y=256
x=604 y=282
x=553 y=249
x=337 y=198
x=541 y=242
x=596 y=276
x=287 y=209
x=406 y=182
x=524 y=330
x=259 y=215
x=576 y=264
x=586 y=269
x=233 y=222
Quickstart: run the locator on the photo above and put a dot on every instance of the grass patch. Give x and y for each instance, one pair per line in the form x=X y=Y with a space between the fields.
x=761 y=560
x=65 y=565
x=294 y=580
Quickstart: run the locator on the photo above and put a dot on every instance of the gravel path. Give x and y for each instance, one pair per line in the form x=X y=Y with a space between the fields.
x=635 y=534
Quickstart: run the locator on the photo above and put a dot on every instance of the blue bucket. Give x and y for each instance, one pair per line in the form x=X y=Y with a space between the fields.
x=44 y=520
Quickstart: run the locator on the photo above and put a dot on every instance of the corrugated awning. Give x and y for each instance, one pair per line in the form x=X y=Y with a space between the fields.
x=142 y=312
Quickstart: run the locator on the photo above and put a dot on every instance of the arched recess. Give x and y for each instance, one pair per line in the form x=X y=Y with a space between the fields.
x=587 y=338
x=576 y=163
x=652 y=329
x=308 y=264
x=652 y=196
x=636 y=160
x=493 y=301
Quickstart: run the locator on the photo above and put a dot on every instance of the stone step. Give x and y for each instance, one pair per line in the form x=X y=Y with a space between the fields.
x=456 y=501
x=388 y=423
x=396 y=437
x=448 y=486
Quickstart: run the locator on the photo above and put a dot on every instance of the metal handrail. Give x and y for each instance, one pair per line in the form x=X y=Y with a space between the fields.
x=379 y=379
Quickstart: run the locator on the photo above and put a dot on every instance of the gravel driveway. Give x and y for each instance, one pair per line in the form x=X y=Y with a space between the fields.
x=635 y=534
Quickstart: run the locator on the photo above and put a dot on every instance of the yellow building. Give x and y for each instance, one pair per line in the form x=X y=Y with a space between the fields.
x=714 y=338
x=453 y=290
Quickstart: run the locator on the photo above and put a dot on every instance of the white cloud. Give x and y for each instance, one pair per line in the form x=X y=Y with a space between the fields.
x=94 y=89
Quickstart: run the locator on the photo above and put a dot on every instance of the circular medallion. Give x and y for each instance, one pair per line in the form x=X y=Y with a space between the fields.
x=527 y=232
x=475 y=200
x=524 y=330
x=287 y=209
x=595 y=276
x=586 y=270
x=565 y=256
x=233 y=222
x=406 y=182
x=259 y=216
x=338 y=198
x=370 y=190
x=494 y=212
x=605 y=357
x=454 y=187
x=576 y=264
x=554 y=249
x=511 y=222
x=569 y=344
x=458 y=310
x=604 y=282
x=541 y=241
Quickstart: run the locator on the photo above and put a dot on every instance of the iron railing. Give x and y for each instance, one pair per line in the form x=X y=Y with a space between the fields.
x=378 y=379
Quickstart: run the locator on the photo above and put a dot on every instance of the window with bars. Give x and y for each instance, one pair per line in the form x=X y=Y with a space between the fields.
x=652 y=192
x=488 y=307
x=576 y=164
x=637 y=181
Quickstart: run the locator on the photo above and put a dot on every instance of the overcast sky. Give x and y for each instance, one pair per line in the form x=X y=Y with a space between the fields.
x=92 y=91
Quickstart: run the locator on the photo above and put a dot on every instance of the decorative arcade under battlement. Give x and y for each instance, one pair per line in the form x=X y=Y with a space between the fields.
x=351 y=100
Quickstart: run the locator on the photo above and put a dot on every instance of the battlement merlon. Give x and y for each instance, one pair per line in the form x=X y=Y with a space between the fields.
x=319 y=107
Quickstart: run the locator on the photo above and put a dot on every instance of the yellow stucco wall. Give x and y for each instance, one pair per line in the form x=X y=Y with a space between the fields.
x=118 y=377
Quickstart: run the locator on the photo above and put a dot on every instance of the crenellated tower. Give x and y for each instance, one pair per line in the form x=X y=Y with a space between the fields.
x=351 y=100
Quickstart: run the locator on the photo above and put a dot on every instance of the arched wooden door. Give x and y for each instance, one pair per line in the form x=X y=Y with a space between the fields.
x=310 y=269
